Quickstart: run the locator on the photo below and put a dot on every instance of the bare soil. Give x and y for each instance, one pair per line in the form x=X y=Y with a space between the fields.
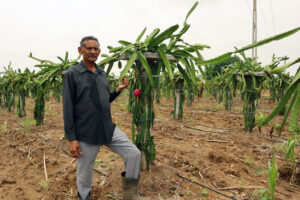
x=209 y=146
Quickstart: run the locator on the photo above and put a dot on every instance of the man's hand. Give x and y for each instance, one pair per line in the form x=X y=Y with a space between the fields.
x=123 y=84
x=75 y=148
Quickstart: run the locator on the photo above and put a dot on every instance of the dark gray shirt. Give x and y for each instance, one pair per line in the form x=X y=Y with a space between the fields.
x=86 y=105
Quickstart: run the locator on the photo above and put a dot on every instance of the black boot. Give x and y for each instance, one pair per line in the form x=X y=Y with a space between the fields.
x=87 y=198
x=130 y=188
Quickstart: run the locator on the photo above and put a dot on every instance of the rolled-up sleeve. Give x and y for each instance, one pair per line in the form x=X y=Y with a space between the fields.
x=113 y=95
x=68 y=106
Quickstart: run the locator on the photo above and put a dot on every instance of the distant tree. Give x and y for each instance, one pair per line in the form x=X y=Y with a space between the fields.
x=215 y=70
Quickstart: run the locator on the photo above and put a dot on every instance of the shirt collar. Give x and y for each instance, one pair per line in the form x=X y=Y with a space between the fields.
x=82 y=68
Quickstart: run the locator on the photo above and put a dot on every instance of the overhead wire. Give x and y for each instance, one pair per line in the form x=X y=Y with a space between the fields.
x=272 y=13
x=263 y=16
x=248 y=7
x=265 y=23
x=273 y=22
x=265 y=27
x=246 y=1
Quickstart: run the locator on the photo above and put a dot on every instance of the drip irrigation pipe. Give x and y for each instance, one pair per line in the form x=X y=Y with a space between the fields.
x=229 y=197
x=297 y=145
x=279 y=137
x=162 y=105
x=147 y=120
x=236 y=113
x=253 y=91
x=99 y=172
x=66 y=152
x=226 y=129
x=197 y=129
x=207 y=110
x=273 y=140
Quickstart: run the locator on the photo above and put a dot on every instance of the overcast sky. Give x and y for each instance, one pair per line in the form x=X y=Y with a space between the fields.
x=49 y=28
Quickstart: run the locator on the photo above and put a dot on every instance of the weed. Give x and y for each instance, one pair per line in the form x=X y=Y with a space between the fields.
x=241 y=185
x=239 y=109
x=158 y=113
x=206 y=94
x=123 y=106
x=173 y=190
x=110 y=196
x=297 y=130
x=204 y=194
x=188 y=192
x=249 y=161
x=27 y=123
x=119 y=125
x=289 y=150
x=190 y=120
x=114 y=156
x=194 y=166
x=276 y=127
x=110 y=168
x=47 y=109
x=3 y=127
x=16 y=100
x=111 y=155
x=219 y=106
x=272 y=175
x=55 y=114
x=98 y=162
x=263 y=194
x=50 y=111
x=31 y=160
x=206 y=108
x=44 y=184
x=259 y=120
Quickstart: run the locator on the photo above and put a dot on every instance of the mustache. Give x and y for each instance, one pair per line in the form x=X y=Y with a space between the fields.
x=92 y=55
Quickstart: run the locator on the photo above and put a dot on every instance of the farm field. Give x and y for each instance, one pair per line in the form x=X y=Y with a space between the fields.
x=209 y=146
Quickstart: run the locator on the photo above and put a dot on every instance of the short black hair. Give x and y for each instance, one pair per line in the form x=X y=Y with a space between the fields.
x=88 y=38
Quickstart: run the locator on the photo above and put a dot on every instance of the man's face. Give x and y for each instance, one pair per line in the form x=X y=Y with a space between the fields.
x=90 y=50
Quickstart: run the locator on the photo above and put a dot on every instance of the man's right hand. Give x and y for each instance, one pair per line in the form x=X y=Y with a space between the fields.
x=75 y=148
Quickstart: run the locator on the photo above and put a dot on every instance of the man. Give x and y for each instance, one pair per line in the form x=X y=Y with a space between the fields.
x=88 y=122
